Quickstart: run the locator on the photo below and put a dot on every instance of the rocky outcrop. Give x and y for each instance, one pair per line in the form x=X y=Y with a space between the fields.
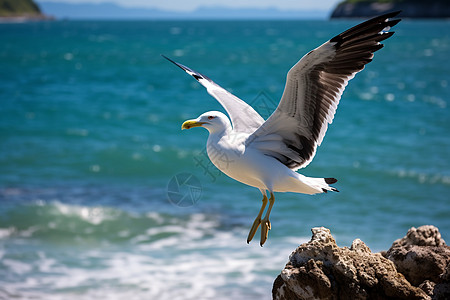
x=409 y=8
x=320 y=269
x=424 y=259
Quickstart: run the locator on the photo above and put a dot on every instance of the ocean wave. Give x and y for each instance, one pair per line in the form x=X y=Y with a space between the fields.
x=422 y=177
x=70 y=223
x=76 y=255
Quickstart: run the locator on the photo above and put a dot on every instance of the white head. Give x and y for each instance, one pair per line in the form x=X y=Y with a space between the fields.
x=214 y=121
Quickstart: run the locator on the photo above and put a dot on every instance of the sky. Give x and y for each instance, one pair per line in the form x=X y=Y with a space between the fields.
x=190 y=5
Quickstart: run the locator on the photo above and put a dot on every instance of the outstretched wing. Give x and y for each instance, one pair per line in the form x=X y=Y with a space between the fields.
x=313 y=89
x=243 y=117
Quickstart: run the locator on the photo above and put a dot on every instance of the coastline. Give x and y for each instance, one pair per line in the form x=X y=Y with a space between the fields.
x=412 y=9
x=26 y=18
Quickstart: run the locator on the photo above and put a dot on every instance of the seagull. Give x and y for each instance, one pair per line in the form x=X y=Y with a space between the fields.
x=267 y=153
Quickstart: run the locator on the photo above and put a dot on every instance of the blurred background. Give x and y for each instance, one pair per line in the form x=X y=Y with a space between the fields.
x=102 y=195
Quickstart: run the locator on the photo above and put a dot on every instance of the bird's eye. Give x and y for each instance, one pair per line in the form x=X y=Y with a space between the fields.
x=211 y=117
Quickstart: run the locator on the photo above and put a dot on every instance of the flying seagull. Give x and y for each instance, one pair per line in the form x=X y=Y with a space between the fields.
x=267 y=154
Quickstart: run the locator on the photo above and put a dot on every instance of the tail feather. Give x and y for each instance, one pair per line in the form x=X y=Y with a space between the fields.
x=308 y=185
x=330 y=188
x=330 y=180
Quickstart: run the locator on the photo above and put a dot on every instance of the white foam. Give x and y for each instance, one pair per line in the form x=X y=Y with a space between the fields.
x=184 y=258
x=93 y=215
x=6 y=232
x=422 y=177
x=16 y=266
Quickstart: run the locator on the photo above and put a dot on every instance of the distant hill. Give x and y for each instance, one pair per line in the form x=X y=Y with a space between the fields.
x=20 y=9
x=114 y=11
x=10 y=8
x=409 y=8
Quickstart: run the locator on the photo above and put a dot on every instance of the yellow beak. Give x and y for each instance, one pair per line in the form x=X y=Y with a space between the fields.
x=191 y=123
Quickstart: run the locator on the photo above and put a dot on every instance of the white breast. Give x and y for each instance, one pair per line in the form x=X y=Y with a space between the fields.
x=231 y=159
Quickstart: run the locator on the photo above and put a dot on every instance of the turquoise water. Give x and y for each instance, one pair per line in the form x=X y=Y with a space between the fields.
x=90 y=120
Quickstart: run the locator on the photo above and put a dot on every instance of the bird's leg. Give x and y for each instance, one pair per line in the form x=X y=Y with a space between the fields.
x=265 y=223
x=257 y=221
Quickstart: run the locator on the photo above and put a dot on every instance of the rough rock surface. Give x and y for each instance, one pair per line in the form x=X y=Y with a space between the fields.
x=424 y=259
x=320 y=269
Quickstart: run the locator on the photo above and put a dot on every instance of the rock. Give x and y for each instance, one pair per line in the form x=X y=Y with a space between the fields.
x=426 y=235
x=423 y=258
x=409 y=8
x=441 y=290
x=320 y=269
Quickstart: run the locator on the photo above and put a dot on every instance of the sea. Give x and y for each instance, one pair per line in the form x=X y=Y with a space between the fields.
x=102 y=196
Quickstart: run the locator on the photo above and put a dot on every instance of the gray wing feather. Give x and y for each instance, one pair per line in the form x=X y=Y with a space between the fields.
x=243 y=117
x=313 y=89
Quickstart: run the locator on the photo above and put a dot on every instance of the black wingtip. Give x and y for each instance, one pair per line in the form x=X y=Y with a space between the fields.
x=167 y=58
x=362 y=28
x=394 y=13
x=385 y=16
x=174 y=62
x=392 y=23
x=191 y=72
